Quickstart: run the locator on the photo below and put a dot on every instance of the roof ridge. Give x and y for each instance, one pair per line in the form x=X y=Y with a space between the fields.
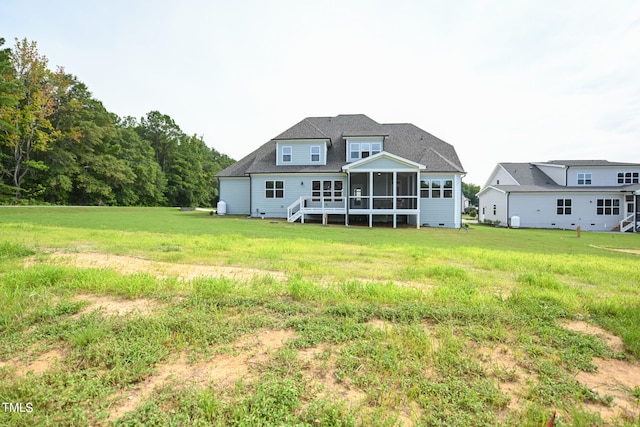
x=458 y=167
x=315 y=127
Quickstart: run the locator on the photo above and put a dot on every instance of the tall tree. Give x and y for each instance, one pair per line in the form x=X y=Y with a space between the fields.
x=471 y=192
x=150 y=183
x=8 y=100
x=87 y=164
x=163 y=134
x=32 y=129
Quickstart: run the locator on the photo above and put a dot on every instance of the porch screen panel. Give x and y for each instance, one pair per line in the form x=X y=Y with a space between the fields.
x=407 y=191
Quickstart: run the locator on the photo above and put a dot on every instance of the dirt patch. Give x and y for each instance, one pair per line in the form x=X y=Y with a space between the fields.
x=615 y=378
x=626 y=251
x=615 y=343
x=513 y=375
x=221 y=370
x=118 y=307
x=130 y=265
x=34 y=363
x=323 y=373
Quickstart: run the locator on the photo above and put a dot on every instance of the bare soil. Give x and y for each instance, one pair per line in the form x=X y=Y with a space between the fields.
x=130 y=265
x=221 y=370
x=118 y=307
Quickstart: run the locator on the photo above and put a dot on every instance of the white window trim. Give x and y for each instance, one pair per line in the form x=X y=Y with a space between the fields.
x=317 y=147
x=585 y=176
x=290 y=149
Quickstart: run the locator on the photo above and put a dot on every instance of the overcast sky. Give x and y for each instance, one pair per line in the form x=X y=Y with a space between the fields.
x=499 y=80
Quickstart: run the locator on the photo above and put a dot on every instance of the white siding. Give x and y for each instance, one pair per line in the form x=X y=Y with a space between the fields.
x=556 y=172
x=488 y=199
x=502 y=177
x=539 y=210
x=295 y=186
x=235 y=193
x=601 y=176
x=301 y=152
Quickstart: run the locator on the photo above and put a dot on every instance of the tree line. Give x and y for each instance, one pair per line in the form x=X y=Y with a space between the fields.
x=60 y=145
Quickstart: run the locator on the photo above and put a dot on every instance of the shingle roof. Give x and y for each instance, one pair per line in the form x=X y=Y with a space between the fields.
x=589 y=163
x=404 y=140
x=532 y=179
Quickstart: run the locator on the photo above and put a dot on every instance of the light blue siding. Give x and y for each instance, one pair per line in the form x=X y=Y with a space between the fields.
x=442 y=212
x=235 y=193
x=295 y=186
x=301 y=152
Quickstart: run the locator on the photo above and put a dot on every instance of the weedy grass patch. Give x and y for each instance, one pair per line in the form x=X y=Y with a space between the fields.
x=383 y=327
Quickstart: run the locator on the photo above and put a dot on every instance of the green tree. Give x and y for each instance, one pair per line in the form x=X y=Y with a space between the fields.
x=163 y=134
x=150 y=183
x=8 y=101
x=471 y=192
x=31 y=130
x=86 y=165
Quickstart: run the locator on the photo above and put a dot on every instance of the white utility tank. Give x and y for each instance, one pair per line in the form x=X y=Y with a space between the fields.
x=515 y=221
x=222 y=207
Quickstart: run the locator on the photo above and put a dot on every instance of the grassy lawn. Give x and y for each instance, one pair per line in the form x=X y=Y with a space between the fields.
x=155 y=316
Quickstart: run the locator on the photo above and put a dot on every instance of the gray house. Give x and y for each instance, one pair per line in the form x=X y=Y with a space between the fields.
x=596 y=195
x=348 y=168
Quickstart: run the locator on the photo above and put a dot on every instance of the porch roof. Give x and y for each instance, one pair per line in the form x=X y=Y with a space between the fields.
x=376 y=162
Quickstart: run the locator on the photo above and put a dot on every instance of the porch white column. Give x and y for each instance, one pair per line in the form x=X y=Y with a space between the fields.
x=370 y=198
x=394 y=183
x=418 y=198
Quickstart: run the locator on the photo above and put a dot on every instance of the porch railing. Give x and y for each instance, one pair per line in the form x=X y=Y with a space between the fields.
x=315 y=205
x=627 y=223
x=383 y=202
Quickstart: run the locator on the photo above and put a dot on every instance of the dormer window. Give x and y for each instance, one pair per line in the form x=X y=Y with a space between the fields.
x=286 y=154
x=362 y=150
x=315 y=153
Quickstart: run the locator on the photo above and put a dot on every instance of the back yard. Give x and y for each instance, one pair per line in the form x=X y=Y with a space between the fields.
x=114 y=316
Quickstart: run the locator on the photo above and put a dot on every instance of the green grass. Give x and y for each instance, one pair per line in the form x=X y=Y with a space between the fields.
x=404 y=318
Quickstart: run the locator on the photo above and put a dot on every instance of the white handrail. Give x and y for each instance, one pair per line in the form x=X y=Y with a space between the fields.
x=628 y=219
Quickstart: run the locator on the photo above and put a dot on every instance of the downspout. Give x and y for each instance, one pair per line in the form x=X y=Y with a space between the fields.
x=508 y=220
x=250 y=196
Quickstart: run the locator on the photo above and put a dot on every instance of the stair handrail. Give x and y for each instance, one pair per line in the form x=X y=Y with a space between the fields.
x=628 y=219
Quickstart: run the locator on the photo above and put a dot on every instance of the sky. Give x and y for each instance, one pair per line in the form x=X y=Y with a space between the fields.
x=500 y=80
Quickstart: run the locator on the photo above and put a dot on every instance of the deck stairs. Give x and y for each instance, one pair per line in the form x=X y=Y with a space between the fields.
x=319 y=206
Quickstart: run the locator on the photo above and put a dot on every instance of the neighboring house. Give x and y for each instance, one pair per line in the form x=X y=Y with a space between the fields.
x=348 y=168
x=593 y=194
x=466 y=204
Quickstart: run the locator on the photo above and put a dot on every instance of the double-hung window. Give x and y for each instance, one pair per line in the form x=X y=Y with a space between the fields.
x=286 y=154
x=328 y=190
x=563 y=206
x=315 y=153
x=274 y=189
x=608 y=207
x=436 y=192
x=627 y=177
x=424 y=189
x=584 y=179
x=448 y=189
